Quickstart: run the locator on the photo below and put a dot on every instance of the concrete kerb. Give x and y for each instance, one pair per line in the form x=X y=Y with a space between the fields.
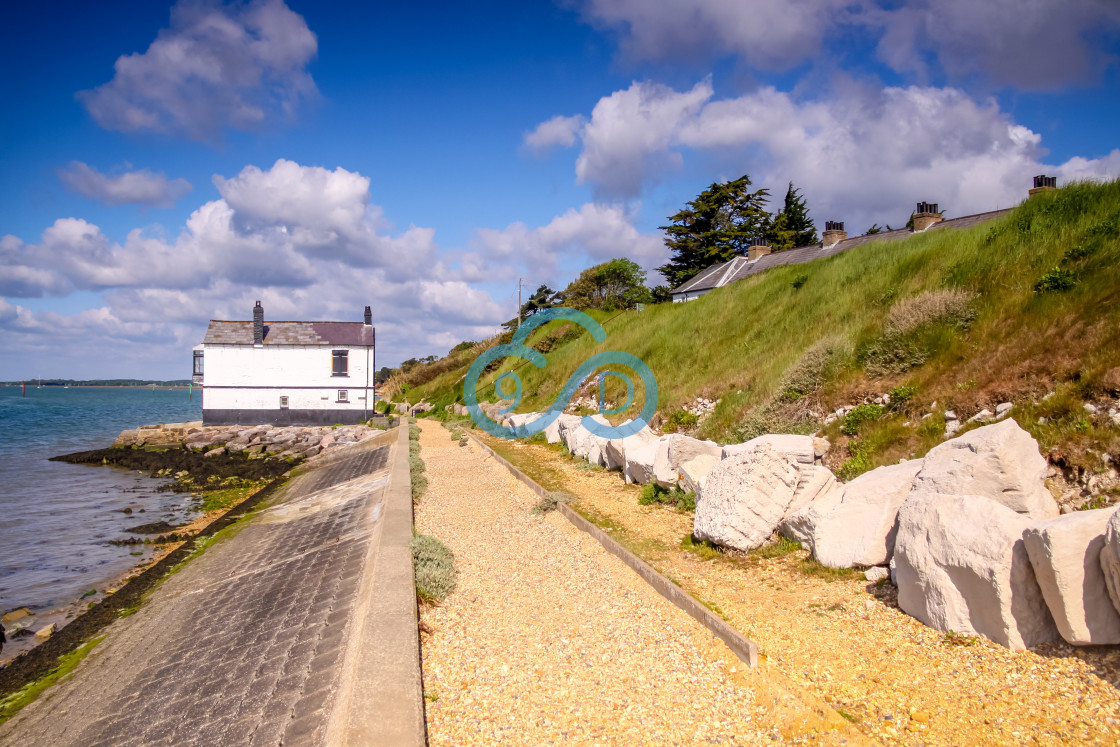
x=743 y=647
x=381 y=697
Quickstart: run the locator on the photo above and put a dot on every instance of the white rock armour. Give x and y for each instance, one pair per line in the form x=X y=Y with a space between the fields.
x=744 y=497
x=1000 y=462
x=1110 y=559
x=857 y=525
x=1066 y=555
x=960 y=564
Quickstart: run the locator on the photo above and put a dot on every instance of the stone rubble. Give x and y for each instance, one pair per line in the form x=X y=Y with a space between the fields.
x=282 y=442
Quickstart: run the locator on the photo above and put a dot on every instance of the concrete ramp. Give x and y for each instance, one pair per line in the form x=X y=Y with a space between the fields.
x=266 y=638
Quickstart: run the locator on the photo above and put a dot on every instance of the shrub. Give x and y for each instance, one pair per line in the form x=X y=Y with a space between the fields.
x=654 y=493
x=434 y=567
x=858 y=463
x=681 y=420
x=799 y=281
x=551 y=501
x=1055 y=281
x=858 y=416
x=900 y=395
x=912 y=330
x=950 y=306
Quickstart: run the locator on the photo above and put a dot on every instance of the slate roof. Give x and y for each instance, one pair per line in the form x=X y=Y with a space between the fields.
x=290 y=333
x=726 y=273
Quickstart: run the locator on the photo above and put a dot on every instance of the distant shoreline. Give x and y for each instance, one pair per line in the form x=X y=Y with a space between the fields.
x=99 y=386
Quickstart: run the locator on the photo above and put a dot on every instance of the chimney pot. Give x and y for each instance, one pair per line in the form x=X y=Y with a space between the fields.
x=759 y=247
x=258 y=325
x=833 y=234
x=1043 y=183
x=369 y=316
x=925 y=216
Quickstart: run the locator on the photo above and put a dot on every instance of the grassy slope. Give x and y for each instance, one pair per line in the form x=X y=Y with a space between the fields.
x=739 y=344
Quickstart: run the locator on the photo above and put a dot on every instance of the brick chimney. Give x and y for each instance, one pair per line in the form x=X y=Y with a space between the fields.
x=759 y=247
x=1043 y=183
x=834 y=233
x=258 y=325
x=925 y=216
x=369 y=316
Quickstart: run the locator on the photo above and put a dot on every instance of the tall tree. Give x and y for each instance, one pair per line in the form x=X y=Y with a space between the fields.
x=617 y=284
x=715 y=227
x=792 y=226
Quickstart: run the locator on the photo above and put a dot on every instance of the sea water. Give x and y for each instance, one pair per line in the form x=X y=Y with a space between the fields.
x=56 y=519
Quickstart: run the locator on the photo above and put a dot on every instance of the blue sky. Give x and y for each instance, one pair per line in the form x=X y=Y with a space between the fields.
x=166 y=164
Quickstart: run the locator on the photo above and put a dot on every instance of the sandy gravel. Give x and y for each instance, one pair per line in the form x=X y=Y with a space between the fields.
x=549 y=639
x=847 y=642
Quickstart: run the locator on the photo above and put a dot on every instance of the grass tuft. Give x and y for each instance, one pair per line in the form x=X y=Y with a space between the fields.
x=434 y=567
x=551 y=501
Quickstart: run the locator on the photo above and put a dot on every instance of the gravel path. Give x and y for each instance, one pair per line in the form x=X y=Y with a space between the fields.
x=846 y=641
x=549 y=639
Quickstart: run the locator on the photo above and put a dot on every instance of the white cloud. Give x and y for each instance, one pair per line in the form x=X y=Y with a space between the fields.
x=304 y=240
x=141 y=187
x=1034 y=44
x=627 y=142
x=862 y=155
x=558 y=131
x=595 y=233
x=216 y=67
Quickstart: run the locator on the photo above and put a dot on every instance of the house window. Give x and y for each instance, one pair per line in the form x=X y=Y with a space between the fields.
x=339 y=363
x=198 y=363
x=343 y=395
x=283 y=403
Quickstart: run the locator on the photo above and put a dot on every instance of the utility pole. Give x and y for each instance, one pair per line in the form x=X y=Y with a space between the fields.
x=519 y=303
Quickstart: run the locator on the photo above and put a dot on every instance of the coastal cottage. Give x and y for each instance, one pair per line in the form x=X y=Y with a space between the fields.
x=286 y=373
x=833 y=241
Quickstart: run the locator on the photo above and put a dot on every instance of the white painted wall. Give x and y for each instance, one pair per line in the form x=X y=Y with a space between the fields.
x=689 y=295
x=248 y=367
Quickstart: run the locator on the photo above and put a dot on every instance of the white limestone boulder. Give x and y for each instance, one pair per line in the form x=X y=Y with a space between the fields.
x=961 y=565
x=857 y=525
x=614 y=453
x=519 y=419
x=556 y=432
x=685 y=448
x=999 y=461
x=639 y=462
x=663 y=472
x=1066 y=555
x=695 y=470
x=796 y=448
x=743 y=498
x=1110 y=559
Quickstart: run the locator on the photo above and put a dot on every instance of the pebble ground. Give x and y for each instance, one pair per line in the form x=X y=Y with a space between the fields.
x=846 y=641
x=549 y=639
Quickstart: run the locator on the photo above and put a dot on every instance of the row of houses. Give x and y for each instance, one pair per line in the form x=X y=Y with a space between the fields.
x=834 y=240
x=322 y=373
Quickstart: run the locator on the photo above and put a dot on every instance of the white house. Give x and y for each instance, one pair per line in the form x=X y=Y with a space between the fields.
x=286 y=373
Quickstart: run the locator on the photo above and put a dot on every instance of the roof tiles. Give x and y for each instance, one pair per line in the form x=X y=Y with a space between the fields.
x=290 y=333
x=738 y=268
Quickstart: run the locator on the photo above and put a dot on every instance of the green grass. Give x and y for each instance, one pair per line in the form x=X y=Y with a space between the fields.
x=703 y=548
x=784 y=546
x=812 y=567
x=968 y=328
x=681 y=500
x=12 y=704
